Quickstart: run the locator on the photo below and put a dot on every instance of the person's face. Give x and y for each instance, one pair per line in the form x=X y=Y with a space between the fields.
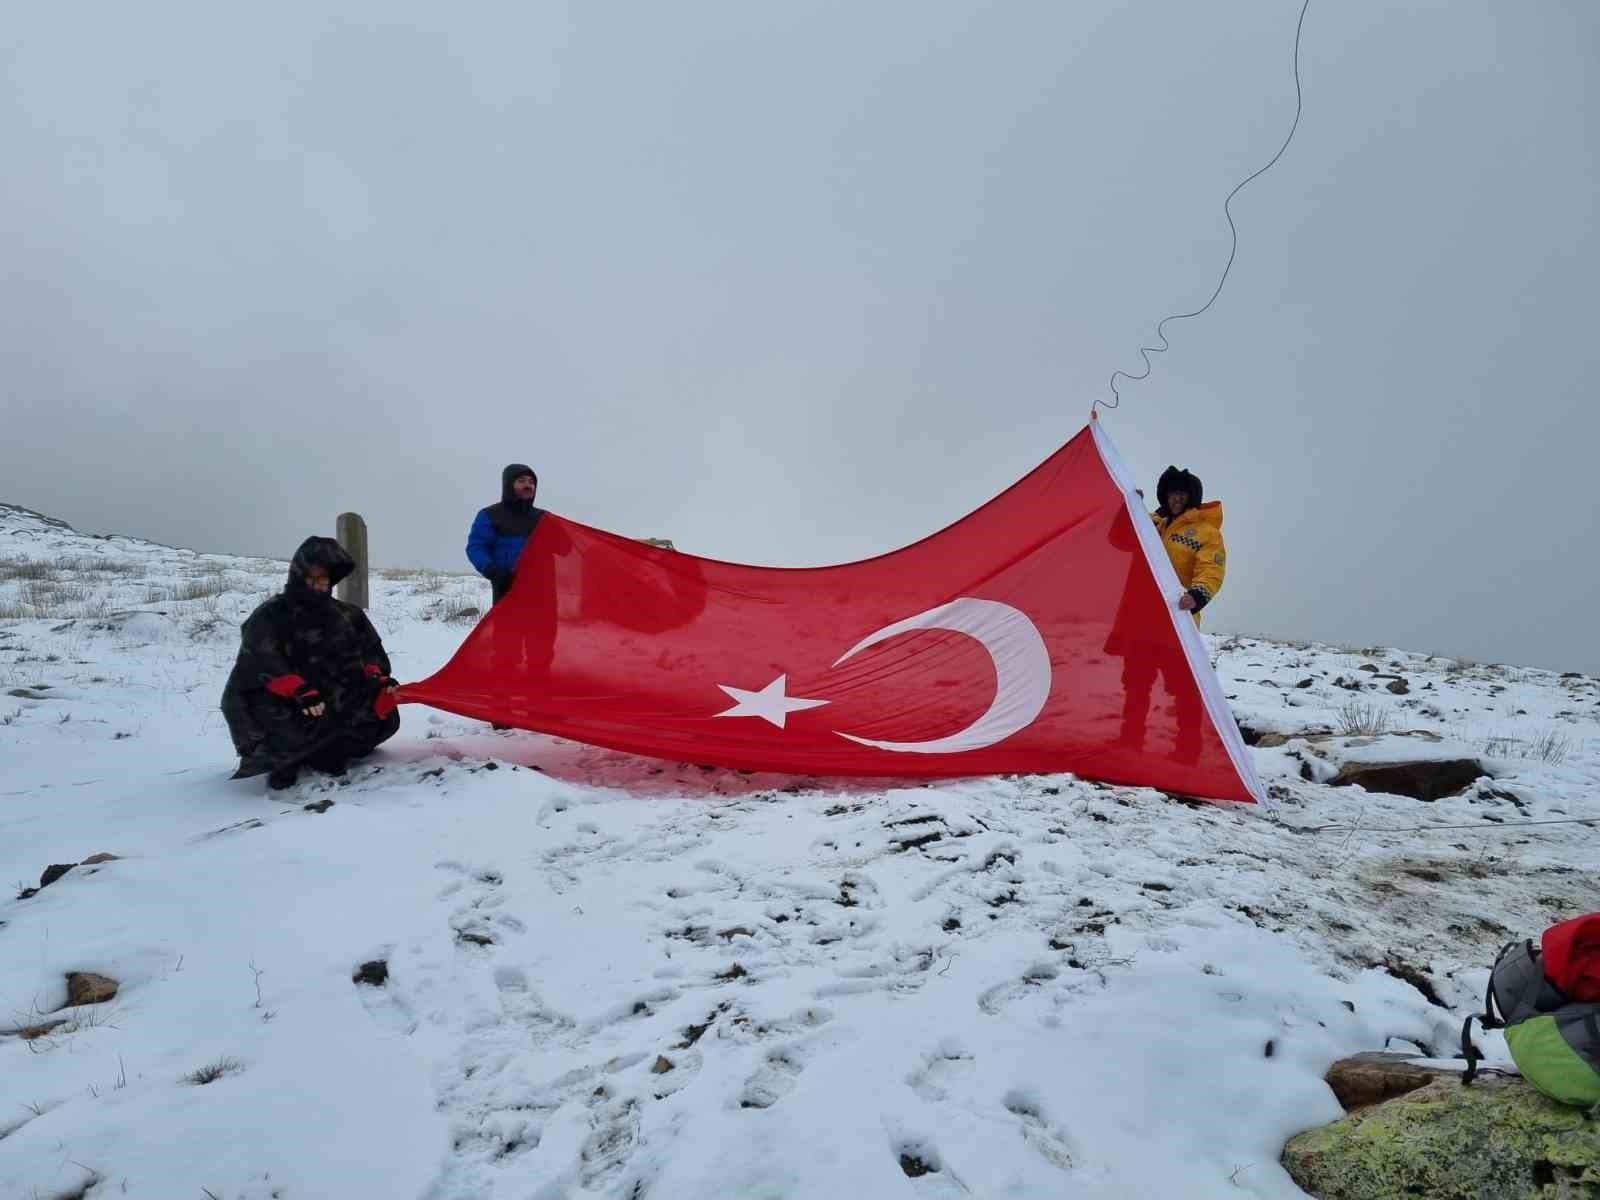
x=317 y=579
x=1177 y=502
x=523 y=487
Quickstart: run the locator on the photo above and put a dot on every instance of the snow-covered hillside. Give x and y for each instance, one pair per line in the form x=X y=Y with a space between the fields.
x=620 y=978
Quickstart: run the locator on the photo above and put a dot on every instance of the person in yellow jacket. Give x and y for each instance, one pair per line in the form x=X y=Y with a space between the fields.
x=1191 y=531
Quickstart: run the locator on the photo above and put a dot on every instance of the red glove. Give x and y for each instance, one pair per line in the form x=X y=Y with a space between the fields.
x=293 y=687
x=383 y=705
x=377 y=674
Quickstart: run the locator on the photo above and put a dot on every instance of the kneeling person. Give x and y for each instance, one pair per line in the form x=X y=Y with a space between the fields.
x=311 y=686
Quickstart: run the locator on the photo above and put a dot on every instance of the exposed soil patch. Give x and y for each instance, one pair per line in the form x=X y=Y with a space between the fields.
x=1406 y=973
x=1426 y=781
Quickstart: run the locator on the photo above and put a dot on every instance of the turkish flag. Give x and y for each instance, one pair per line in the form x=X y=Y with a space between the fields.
x=1039 y=634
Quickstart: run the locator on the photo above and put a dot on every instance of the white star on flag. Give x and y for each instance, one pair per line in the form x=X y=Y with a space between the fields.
x=770 y=703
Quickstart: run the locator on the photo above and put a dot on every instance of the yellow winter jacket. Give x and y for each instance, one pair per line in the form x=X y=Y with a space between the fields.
x=1194 y=544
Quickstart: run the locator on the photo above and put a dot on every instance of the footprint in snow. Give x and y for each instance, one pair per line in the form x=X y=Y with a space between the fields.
x=857 y=890
x=673 y=1070
x=520 y=1004
x=613 y=1134
x=475 y=924
x=1047 y=1140
x=782 y=1066
x=639 y=1008
x=387 y=1003
x=948 y=1067
x=772 y=1081
x=994 y=1000
x=929 y=1173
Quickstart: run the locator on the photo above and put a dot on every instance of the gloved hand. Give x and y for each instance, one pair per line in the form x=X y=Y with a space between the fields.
x=296 y=689
x=377 y=675
x=384 y=702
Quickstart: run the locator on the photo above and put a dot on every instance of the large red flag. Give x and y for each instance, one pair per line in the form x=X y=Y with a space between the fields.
x=1038 y=634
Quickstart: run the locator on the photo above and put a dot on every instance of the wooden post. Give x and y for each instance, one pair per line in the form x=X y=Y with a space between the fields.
x=352 y=535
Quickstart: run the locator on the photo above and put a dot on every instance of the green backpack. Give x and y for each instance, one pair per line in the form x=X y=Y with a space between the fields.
x=1547 y=999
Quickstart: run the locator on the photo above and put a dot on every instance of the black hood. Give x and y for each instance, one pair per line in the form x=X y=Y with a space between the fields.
x=1176 y=479
x=321 y=552
x=513 y=517
x=507 y=496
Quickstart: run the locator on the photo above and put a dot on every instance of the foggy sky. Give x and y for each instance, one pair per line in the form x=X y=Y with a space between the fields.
x=798 y=283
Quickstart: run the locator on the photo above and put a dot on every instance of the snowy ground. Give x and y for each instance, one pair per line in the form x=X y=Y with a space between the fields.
x=619 y=978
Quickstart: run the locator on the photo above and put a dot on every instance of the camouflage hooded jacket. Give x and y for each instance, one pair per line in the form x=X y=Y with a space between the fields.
x=327 y=642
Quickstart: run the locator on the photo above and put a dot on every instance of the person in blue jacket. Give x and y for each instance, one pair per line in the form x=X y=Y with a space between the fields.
x=523 y=650
x=500 y=531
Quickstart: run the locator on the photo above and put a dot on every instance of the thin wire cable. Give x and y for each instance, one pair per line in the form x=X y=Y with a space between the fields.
x=1146 y=351
x=1483 y=825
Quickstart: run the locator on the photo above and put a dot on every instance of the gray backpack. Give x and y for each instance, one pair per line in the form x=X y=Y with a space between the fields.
x=1554 y=1037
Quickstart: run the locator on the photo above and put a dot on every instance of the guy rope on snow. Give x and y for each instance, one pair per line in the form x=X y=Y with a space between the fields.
x=1482 y=825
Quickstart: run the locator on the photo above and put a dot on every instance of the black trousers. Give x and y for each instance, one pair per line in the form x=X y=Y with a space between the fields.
x=1138 y=679
x=520 y=651
x=289 y=738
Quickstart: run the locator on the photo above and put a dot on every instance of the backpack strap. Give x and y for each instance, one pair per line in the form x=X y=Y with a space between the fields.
x=1469 y=1052
x=1490 y=1018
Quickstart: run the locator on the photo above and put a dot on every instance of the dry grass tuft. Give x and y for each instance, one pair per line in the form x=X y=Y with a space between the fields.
x=203 y=587
x=55 y=599
x=213 y=1071
x=1360 y=718
x=1550 y=747
x=458 y=610
x=66 y=567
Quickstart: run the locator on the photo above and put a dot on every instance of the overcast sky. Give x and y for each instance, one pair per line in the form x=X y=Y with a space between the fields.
x=797 y=283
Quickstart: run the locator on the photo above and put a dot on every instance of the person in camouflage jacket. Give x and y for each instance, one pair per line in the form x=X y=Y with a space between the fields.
x=311 y=685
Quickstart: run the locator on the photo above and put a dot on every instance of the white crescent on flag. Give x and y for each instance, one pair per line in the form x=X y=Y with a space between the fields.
x=1021 y=667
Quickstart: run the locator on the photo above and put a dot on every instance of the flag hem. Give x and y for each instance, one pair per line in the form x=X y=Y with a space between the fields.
x=1194 y=647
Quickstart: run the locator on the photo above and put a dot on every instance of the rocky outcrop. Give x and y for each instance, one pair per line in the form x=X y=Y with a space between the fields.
x=56 y=870
x=1496 y=1140
x=1366 y=1079
x=85 y=987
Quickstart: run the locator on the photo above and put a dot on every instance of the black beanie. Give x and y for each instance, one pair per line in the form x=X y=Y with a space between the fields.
x=1177 y=479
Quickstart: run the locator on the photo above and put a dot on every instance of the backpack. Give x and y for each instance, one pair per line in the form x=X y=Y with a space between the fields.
x=1547 y=999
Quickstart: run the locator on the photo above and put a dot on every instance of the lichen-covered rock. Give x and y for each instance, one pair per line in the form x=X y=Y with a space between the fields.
x=1496 y=1140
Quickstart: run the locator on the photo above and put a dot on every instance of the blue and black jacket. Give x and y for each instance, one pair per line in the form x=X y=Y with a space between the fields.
x=500 y=531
